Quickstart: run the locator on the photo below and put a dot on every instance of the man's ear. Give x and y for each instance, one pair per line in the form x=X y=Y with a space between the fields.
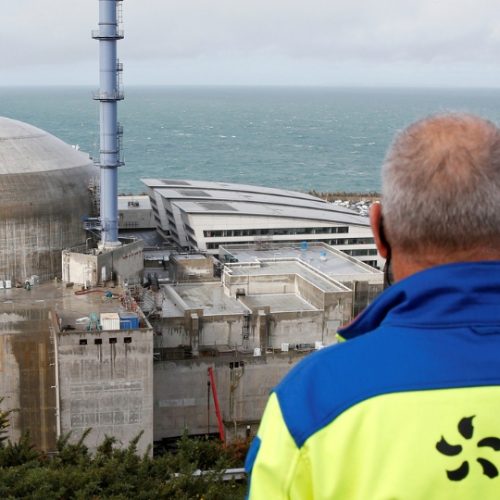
x=378 y=229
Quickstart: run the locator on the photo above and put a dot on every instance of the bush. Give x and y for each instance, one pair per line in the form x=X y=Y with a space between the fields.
x=118 y=473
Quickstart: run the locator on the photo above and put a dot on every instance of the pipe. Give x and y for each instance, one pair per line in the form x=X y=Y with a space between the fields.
x=53 y=332
x=216 y=403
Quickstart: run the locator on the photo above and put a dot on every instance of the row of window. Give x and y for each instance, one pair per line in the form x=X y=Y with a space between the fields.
x=112 y=340
x=274 y=231
x=335 y=242
x=130 y=225
x=359 y=253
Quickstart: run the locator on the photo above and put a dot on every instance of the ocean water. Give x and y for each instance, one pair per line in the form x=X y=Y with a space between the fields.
x=295 y=138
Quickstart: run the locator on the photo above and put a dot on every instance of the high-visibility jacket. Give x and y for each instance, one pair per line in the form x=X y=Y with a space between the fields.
x=407 y=408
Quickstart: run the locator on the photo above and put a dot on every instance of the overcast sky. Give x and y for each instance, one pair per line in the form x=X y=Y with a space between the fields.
x=259 y=42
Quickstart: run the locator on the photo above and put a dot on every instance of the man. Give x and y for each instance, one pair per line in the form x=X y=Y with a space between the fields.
x=409 y=406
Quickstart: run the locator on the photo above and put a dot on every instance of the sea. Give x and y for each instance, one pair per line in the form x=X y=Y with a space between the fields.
x=323 y=139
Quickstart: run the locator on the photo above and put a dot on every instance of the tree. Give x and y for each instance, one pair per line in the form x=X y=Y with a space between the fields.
x=114 y=472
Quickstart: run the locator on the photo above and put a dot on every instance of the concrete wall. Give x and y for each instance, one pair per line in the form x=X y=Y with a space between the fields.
x=206 y=331
x=126 y=263
x=295 y=328
x=184 y=269
x=363 y=294
x=221 y=330
x=260 y=284
x=173 y=333
x=27 y=374
x=310 y=292
x=40 y=214
x=80 y=268
x=108 y=386
x=242 y=391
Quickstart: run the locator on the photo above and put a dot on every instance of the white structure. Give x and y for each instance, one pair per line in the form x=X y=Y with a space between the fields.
x=364 y=281
x=134 y=212
x=204 y=215
x=258 y=305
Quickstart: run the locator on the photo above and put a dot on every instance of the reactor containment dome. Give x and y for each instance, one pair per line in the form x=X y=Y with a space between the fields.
x=44 y=194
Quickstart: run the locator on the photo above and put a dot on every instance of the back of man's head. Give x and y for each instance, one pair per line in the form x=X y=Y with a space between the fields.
x=441 y=187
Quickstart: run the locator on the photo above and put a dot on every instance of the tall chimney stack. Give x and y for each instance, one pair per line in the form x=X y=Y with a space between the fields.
x=108 y=96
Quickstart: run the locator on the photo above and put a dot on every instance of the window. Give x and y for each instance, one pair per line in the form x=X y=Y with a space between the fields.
x=97 y=341
x=127 y=340
x=83 y=341
x=112 y=340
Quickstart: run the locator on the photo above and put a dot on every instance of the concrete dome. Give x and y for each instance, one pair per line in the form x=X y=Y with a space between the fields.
x=43 y=196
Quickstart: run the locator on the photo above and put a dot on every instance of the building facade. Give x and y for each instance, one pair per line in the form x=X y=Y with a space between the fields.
x=205 y=215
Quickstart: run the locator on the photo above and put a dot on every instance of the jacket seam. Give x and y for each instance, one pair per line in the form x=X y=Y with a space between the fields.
x=301 y=438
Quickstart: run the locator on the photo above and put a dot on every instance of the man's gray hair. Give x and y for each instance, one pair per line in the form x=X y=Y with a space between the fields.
x=441 y=184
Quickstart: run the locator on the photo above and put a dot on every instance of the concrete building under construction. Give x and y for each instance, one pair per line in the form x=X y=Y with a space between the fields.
x=90 y=342
x=45 y=194
x=267 y=311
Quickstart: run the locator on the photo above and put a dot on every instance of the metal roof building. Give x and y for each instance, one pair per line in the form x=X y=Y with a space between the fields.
x=204 y=215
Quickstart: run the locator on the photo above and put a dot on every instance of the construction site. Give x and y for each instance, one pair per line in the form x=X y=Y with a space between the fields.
x=110 y=327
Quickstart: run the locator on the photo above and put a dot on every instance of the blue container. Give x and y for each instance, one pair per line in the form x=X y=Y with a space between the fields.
x=129 y=321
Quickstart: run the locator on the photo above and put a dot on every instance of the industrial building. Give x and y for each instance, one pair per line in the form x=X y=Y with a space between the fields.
x=66 y=367
x=249 y=328
x=270 y=308
x=205 y=215
x=119 y=351
x=74 y=356
x=45 y=196
x=363 y=280
x=135 y=213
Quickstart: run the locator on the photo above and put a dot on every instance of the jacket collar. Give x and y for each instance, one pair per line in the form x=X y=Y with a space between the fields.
x=465 y=293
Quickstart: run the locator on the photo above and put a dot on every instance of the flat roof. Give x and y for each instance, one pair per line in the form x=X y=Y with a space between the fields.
x=193 y=256
x=186 y=184
x=320 y=214
x=284 y=268
x=278 y=302
x=206 y=197
x=213 y=195
x=150 y=237
x=324 y=258
x=63 y=300
x=207 y=296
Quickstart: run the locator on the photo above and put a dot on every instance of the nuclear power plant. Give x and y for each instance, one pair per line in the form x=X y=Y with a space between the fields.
x=118 y=321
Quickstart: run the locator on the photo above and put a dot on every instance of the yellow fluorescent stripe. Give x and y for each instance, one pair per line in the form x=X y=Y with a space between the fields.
x=385 y=447
x=274 y=466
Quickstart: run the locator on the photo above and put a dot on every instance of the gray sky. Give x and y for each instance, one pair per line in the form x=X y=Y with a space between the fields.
x=259 y=42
